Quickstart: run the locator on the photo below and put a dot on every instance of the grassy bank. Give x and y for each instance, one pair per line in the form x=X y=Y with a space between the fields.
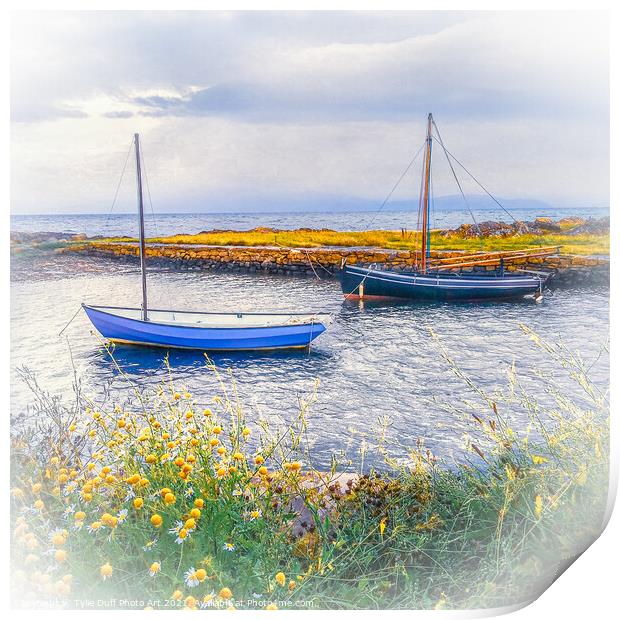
x=174 y=503
x=390 y=239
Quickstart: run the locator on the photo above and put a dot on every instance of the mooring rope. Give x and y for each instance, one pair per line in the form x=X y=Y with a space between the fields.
x=370 y=268
x=69 y=323
x=311 y=265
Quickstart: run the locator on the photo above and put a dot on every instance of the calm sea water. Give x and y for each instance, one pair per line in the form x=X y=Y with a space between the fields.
x=375 y=361
x=168 y=223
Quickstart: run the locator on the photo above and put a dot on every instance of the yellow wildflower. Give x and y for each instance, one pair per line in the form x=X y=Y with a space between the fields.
x=58 y=540
x=60 y=555
x=538 y=506
x=382 y=526
x=106 y=570
x=281 y=578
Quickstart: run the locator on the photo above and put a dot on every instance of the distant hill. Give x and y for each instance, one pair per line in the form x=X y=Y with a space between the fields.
x=340 y=204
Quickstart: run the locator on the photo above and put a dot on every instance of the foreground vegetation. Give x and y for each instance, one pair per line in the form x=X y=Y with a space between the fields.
x=390 y=239
x=168 y=502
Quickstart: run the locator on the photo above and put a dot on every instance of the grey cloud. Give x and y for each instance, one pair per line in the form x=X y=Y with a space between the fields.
x=37 y=113
x=300 y=102
x=118 y=114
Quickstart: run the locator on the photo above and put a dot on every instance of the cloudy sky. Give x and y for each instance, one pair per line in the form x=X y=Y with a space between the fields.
x=259 y=111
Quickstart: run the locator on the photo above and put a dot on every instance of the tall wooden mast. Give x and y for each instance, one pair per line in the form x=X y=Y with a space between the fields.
x=426 y=239
x=141 y=223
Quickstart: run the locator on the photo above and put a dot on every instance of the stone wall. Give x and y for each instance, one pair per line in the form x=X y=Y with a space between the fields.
x=324 y=262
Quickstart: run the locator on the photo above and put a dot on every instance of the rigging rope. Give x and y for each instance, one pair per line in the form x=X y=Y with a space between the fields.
x=148 y=190
x=486 y=191
x=458 y=183
x=402 y=176
x=118 y=187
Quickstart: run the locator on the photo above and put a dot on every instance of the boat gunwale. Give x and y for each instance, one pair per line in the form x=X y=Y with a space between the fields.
x=434 y=281
x=185 y=326
x=471 y=277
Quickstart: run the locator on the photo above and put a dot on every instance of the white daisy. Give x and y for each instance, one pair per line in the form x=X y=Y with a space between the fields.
x=154 y=569
x=177 y=528
x=208 y=600
x=228 y=547
x=69 y=510
x=191 y=580
x=69 y=488
x=122 y=515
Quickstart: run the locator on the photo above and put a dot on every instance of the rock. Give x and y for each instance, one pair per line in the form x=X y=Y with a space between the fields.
x=545 y=224
x=592 y=226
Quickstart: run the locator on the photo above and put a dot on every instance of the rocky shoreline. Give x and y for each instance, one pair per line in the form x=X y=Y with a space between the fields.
x=326 y=262
x=319 y=262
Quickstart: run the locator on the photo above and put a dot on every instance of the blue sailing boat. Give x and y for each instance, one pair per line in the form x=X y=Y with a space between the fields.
x=207 y=331
x=448 y=279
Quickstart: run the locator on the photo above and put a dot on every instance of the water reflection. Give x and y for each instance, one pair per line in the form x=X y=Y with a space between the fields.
x=376 y=360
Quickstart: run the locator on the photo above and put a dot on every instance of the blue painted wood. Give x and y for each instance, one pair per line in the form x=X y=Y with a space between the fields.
x=134 y=331
x=441 y=287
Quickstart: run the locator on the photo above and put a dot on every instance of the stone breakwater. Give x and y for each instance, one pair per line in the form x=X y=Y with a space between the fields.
x=324 y=262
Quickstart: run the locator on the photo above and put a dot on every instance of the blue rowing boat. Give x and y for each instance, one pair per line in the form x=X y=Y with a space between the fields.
x=206 y=331
x=468 y=277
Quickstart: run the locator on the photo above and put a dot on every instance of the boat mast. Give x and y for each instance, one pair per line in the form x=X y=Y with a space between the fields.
x=426 y=233
x=141 y=222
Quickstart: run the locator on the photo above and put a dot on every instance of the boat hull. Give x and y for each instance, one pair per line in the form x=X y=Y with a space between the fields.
x=367 y=283
x=127 y=330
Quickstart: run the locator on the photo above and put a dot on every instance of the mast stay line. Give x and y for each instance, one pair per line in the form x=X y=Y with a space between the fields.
x=458 y=183
x=484 y=189
x=141 y=223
